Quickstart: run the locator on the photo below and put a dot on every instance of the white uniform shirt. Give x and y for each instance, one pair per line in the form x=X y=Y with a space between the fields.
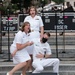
x=35 y=23
x=40 y=48
x=21 y=55
x=20 y=38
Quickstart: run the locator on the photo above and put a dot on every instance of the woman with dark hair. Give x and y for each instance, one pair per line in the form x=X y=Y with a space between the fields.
x=36 y=25
x=18 y=48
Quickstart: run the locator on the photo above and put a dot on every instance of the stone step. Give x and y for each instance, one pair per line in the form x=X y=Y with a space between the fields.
x=67 y=47
x=5 y=43
x=66 y=68
x=52 y=37
x=67 y=37
x=51 y=42
x=68 y=56
x=68 y=52
x=60 y=73
x=17 y=73
x=63 y=67
x=69 y=40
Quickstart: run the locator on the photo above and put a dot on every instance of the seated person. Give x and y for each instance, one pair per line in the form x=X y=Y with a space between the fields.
x=42 y=54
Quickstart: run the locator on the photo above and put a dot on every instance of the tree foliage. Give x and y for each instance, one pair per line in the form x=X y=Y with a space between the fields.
x=15 y=1
x=27 y=3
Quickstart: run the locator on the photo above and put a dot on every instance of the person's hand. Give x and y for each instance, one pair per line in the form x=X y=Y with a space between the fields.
x=29 y=43
x=40 y=55
x=14 y=52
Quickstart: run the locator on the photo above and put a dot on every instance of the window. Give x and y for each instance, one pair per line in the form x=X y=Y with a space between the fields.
x=67 y=3
x=74 y=4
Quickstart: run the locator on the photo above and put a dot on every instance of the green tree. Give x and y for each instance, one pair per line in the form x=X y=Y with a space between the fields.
x=3 y=10
x=27 y=3
x=43 y=2
x=15 y=1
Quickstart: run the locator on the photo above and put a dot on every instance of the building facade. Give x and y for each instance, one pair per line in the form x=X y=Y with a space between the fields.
x=72 y=2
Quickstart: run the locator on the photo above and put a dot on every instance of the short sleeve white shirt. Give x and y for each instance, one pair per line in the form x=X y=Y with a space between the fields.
x=35 y=22
x=40 y=48
x=20 y=38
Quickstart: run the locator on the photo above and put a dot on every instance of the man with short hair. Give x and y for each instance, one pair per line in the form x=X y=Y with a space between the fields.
x=42 y=54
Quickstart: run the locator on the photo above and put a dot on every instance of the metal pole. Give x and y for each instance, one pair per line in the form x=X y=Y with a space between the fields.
x=8 y=26
x=56 y=34
x=0 y=35
x=8 y=37
x=63 y=33
x=63 y=37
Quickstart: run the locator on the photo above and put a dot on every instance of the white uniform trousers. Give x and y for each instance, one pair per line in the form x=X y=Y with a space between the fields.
x=39 y=64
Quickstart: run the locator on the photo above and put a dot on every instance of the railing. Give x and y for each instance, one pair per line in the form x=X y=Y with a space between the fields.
x=60 y=25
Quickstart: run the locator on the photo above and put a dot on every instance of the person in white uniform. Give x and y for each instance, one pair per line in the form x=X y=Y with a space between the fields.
x=18 y=48
x=42 y=54
x=36 y=25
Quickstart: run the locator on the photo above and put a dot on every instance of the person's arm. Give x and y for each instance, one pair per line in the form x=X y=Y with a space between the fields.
x=41 y=31
x=47 y=56
x=21 y=46
x=41 y=26
x=40 y=55
x=14 y=52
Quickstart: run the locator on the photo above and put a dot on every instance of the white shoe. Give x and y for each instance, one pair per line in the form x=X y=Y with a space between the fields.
x=21 y=73
x=7 y=73
x=30 y=71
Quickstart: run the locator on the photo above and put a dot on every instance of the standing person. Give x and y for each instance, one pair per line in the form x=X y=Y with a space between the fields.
x=18 y=48
x=42 y=54
x=36 y=25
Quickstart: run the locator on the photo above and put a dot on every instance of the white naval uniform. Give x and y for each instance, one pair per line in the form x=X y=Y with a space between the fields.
x=21 y=55
x=35 y=24
x=40 y=63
